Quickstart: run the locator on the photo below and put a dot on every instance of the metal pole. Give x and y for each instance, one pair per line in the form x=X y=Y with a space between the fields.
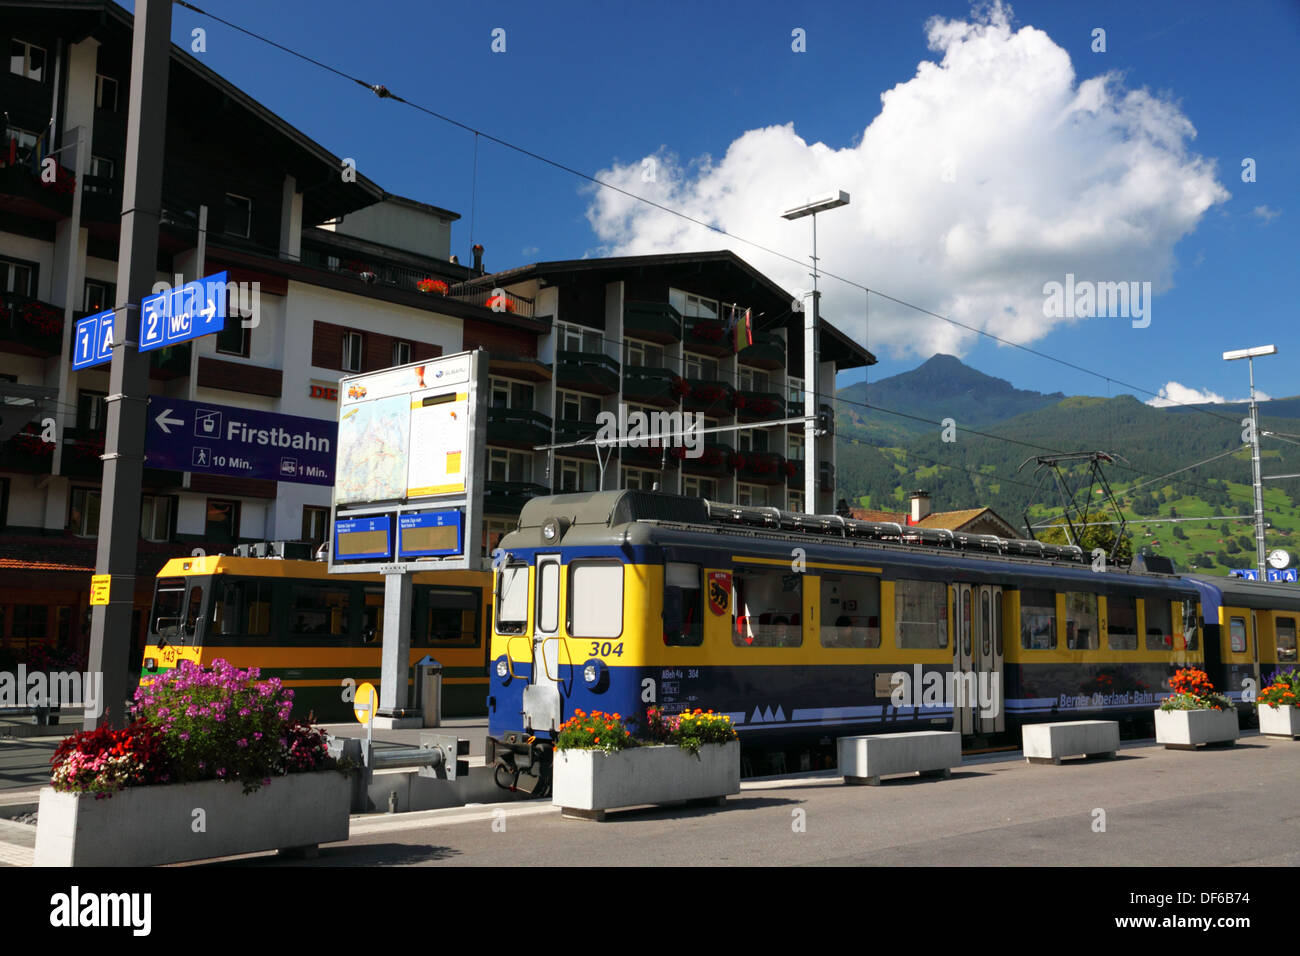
x=127 y=402
x=810 y=357
x=1259 y=487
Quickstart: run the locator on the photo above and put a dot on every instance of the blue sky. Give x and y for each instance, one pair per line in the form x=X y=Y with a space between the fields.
x=1004 y=164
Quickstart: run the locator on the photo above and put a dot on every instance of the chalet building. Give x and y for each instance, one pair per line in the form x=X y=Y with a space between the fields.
x=969 y=520
x=344 y=271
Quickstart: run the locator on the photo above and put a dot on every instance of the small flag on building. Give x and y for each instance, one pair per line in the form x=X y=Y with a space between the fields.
x=742 y=330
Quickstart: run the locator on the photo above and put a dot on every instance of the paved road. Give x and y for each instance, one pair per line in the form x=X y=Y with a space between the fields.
x=1212 y=808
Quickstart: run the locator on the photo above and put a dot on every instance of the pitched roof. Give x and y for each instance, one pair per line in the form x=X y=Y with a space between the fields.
x=958 y=520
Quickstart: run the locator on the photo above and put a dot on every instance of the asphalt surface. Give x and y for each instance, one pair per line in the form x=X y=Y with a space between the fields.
x=1222 y=807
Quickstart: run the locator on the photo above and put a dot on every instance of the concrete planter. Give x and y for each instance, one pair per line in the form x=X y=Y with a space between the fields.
x=1188 y=729
x=1280 y=721
x=589 y=782
x=148 y=826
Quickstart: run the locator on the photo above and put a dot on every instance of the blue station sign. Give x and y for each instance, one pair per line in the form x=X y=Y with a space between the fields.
x=363 y=538
x=92 y=342
x=195 y=309
x=241 y=442
x=429 y=534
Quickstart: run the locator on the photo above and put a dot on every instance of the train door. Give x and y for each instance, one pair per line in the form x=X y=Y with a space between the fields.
x=990 y=717
x=1254 y=647
x=963 y=663
x=542 y=695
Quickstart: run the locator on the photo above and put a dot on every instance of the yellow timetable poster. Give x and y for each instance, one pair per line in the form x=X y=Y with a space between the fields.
x=439 y=449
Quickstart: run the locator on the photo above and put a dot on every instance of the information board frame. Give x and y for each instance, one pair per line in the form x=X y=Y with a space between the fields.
x=394 y=463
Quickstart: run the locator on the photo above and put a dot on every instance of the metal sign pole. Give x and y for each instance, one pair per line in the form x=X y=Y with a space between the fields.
x=119 y=525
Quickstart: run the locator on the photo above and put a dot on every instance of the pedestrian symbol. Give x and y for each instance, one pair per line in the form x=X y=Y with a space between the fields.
x=202 y=457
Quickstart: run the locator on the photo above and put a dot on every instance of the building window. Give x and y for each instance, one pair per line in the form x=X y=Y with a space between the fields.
x=642 y=354
x=508 y=394
x=794 y=386
x=239 y=215
x=92 y=410
x=796 y=501
x=99 y=295
x=795 y=448
x=401 y=353
x=751 y=439
x=506 y=465
x=700 y=487
x=692 y=305
x=222 y=524
x=156 y=517
x=639 y=479
x=105 y=93
x=314 y=523
x=578 y=475
x=576 y=338
x=575 y=407
x=750 y=380
x=235 y=338
x=83 y=512
x=27 y=59
x=701 y=366
x=352 y=349
x=494 y=529
x=751 y=496
x=100 y=169
x=17 y=277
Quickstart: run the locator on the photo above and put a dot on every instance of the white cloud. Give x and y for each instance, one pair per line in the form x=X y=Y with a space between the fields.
x=1266 y=213
x=983 y=177
x=1175 y=394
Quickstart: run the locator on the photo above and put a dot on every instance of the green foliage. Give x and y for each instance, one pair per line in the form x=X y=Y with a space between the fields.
x=1094 y=536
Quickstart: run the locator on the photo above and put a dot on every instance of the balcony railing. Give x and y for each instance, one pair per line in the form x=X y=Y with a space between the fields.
x=509 y=497
x=761 y=467
x=652 y=386
x=29 y=326
x=27 y=452
x=652 y=321
x=795 y=479
x=586 y=372
x=767 y=352
x=715 y=459
x=706 y=336
x=493 y=300
x=81 y=450
x=709 y=396
x=517 y=427
x=758 y=406
x=652 y=456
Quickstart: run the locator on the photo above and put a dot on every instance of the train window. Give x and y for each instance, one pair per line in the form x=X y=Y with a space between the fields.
x=1191 y=626
x=595 y=599
x=512 y=599
x=1080 y=621
x=167 y=602
x=997 y=621
x=1285 y=640
x=850 y=610
x=1160 y=628
x=1237 y=627
x=548 y=596
x=318 y=610
x=244 y=608
x=765 y=608
x=683 y=605
x=1037 y=619
x=921 y=614
x=452 y=618
x=986 y=641
x=1121 y=624
x=195 y=612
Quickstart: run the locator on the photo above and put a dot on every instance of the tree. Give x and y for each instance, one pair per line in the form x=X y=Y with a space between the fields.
x=1179 y=533
x=1094 y=536
x=1223 y=529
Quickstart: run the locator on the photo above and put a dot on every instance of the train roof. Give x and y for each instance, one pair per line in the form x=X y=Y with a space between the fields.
x=681 y=526
x=1239 y=592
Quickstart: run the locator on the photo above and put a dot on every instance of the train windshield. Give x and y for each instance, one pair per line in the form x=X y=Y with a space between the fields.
x=168 y=601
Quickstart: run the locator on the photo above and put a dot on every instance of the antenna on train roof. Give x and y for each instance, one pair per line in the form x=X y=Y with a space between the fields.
x=1051 y=464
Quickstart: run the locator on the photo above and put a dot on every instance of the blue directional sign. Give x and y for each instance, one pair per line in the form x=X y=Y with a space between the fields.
x=225 y=440
x=1250 y=574
x=195 y=309
x=429 y=534
x=1281 y=574
x=92 y=343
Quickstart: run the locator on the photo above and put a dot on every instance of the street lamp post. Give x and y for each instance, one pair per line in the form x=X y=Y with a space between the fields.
x=1249 y=355
x=811 y=352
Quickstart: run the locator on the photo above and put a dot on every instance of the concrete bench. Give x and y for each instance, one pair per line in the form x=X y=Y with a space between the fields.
x=864 y=760
x=1048 y=743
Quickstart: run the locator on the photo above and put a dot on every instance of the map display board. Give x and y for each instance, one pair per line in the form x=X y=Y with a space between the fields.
x=411 y=459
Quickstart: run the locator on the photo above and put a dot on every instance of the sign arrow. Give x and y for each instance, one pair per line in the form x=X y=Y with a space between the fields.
x=209 y=311
x=163 y=421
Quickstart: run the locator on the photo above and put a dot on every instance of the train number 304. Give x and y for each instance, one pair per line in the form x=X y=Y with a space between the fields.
x=605 y=648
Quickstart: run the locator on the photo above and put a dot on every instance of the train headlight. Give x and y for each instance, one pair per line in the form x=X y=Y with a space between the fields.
x=503 y=670
x=595 y=674
x=551 y=530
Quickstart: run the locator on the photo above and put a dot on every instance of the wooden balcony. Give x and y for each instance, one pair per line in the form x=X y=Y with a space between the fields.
x=509 y=497
x=758 y=406
x=652 y=322
x=708 y=397
x=714 y=461
x=517 y=428
x=652 y=386
x=706 y=336
x=767 y=352
x=762 y=468
x=590 y=372
x=29 y=326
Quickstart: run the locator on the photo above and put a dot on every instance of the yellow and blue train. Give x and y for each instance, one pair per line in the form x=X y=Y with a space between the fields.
x=805 y=628
x=313 y=630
